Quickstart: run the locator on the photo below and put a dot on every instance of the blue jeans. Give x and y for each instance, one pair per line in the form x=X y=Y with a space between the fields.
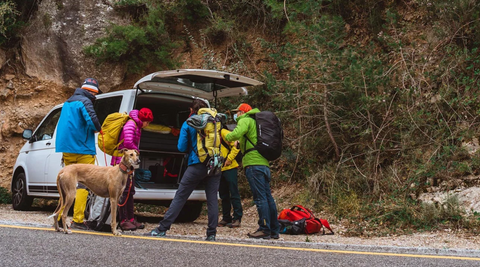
x=191 y=178
x=258 y=177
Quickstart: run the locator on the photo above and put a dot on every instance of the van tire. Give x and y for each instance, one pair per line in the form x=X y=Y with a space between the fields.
x=20 y=199
x=190 y=211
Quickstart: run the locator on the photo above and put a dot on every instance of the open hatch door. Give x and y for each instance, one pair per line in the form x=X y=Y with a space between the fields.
x=207 y=84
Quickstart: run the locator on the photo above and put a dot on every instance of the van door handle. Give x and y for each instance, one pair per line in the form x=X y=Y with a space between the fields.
x=48 y=143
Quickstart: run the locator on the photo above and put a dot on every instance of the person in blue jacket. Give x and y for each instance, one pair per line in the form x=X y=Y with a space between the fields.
x=195 y=173
x=75 y=138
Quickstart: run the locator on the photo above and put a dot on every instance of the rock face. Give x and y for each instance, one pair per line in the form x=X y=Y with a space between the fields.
x=24 y=102
x=52 y=48
x=468 y=198
x=52 y=54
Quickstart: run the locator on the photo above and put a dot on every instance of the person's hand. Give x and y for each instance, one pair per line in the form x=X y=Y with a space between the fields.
x=228 y=162
x=237 y=144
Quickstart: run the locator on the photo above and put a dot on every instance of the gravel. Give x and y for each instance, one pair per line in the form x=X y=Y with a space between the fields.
x=436 y=240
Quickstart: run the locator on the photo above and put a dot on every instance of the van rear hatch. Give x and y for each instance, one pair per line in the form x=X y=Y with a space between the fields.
x=207 y=84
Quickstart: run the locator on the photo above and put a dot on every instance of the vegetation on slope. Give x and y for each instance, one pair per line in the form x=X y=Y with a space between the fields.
x=14 y=15
x=376 y=97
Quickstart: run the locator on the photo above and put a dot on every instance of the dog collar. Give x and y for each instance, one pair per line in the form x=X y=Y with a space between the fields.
x=124 y=168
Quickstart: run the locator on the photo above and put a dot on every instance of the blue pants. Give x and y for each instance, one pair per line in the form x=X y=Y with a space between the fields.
x=191 y=178
x=258 y=177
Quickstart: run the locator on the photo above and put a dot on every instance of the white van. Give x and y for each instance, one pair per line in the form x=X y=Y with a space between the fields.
x=169 y=95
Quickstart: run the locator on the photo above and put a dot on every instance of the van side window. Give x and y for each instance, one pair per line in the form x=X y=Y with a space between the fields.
x=46 y=130
x=106 y=106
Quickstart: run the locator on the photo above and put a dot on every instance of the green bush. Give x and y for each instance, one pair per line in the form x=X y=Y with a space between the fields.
x=5 y=196
x=372 y=124
x=145 y=43
x=8 y=21
x=14 y=16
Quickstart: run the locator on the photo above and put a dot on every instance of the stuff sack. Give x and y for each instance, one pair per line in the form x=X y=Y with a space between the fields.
x=238 y=157
x=312 y=225
x=292 y=228
x=166 y=171
x=143 y=175
x=269 y=135
x=97 y=213
x=208 y=125
x=111 y=128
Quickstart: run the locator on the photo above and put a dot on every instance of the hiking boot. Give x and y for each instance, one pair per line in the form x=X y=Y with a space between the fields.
x=127 y=226
x=234 y=224
x=259 y=234
x=157 y=233
x=275 y=236
x=223 y=223
x=210 y=238
x=138 y=225
x=78 y=226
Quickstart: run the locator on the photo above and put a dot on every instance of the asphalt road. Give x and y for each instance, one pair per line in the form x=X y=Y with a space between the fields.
x=36 y=246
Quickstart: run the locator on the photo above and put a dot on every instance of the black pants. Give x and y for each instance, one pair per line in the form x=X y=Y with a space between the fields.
x=191 y=178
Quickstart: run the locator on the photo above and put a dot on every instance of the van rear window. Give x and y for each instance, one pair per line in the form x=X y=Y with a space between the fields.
x=106 y=106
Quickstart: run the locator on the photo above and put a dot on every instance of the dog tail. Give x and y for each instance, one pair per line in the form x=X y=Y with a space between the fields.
x=60 y=192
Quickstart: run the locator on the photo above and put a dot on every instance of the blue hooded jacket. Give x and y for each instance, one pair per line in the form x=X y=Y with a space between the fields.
x=77 y=125
x=187 y=142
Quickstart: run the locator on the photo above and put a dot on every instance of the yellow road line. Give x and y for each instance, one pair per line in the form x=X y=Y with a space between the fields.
x=255 y=246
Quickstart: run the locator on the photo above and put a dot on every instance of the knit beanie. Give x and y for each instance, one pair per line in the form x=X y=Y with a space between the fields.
x=90 y=84
x=145 y=114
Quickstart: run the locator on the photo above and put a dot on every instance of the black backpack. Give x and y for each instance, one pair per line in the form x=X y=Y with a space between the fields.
x=292 y=227
x=269 y=135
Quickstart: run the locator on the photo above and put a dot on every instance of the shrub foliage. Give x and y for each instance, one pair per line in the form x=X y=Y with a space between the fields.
x=377 y=97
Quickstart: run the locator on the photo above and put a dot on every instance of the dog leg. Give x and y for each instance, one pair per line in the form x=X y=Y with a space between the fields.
x=68 y=203
x=55 y=223
x=60 y=202
x=113 y=208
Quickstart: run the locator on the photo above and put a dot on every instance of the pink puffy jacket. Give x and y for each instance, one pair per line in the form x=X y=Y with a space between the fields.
x=132 y=130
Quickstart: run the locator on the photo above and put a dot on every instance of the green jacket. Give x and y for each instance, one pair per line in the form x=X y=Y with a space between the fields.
x=246 y=126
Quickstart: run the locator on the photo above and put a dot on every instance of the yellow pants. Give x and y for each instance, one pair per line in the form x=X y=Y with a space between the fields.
x=82 y=192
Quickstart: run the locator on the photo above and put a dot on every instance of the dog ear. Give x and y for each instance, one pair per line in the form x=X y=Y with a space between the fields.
x=138 y=152
x=123 y=150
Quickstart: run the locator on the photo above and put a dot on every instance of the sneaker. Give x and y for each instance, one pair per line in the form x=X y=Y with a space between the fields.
x=275 y=236
x=259 y=234
x=210 y=238
x=223 y=223
x=79 y=226
x=138 y=225
x=127 y=226
x=156 y=232
x=234 y=224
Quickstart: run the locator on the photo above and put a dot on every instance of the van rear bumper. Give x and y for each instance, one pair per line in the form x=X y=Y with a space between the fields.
x=166 y=194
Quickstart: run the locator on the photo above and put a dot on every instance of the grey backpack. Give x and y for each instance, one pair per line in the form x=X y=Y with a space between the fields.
x=97 y=213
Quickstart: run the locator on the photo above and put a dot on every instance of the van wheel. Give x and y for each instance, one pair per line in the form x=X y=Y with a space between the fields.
x=190 y=211
x=20 y=199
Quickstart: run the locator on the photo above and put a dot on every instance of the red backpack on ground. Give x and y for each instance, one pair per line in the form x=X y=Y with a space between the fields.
x=312 y=225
